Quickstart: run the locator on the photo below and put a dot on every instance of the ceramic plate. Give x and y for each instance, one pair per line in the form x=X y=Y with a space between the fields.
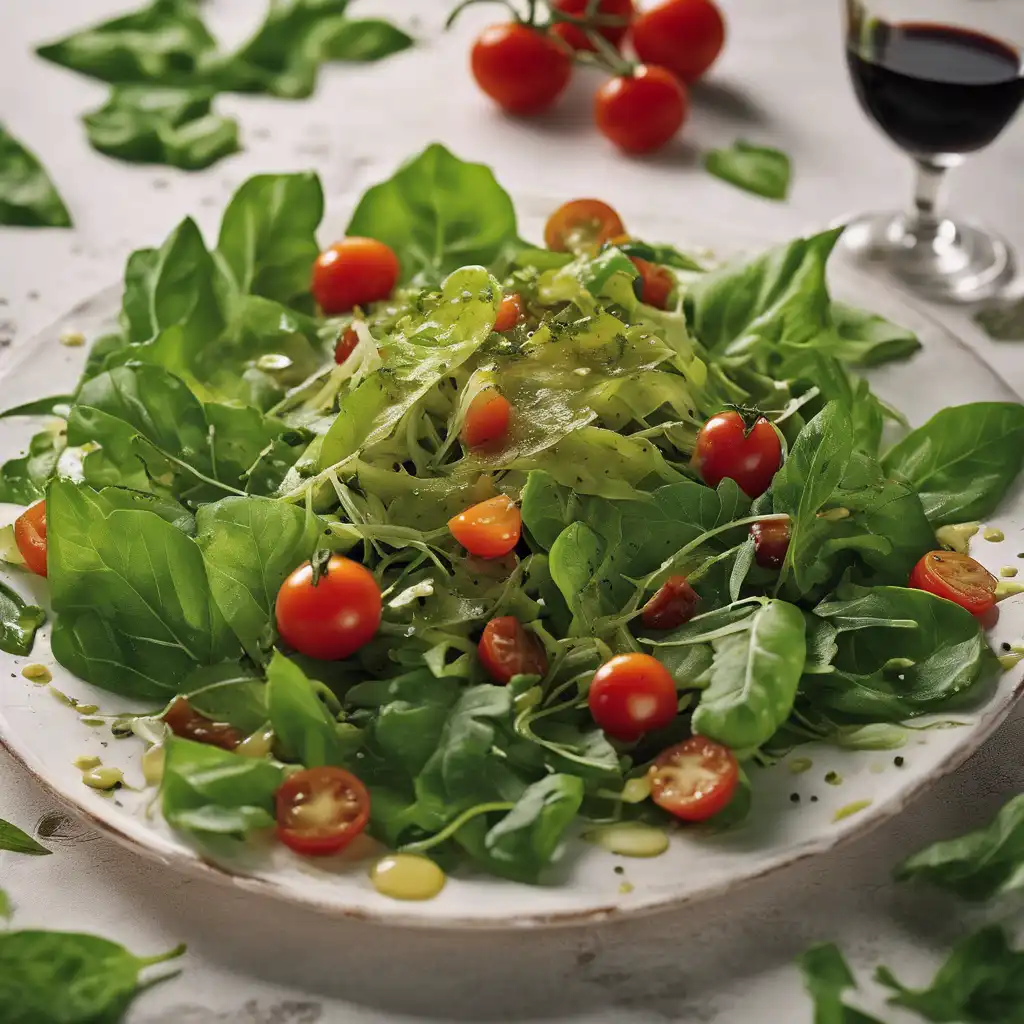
x=795 y=815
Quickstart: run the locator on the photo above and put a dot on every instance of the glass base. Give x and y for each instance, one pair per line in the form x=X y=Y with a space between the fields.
x=945 y=261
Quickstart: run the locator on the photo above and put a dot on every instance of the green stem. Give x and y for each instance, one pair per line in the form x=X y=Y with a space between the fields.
x=172 y=954
x=453 y=826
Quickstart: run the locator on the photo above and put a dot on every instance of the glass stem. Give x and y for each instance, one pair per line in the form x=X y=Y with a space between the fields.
x=929 y=198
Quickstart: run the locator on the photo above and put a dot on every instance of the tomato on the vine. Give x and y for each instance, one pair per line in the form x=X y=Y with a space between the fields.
x=642 y=110
x=183 y=720
x=321 y=810
x=576 y=37
x=582 y=225
x=509 y=312
x=771 y=542
x=354 y=272
x=656 y=283
x=632 y=694
x=958 y=578
x=684 y=36
x=673 y=604
x=489 y=529
x=487 y=419
x=726 y=448
x=332 y=616
x=30 y=536
x=695 y=779
x=523 y=69
x=506 y=650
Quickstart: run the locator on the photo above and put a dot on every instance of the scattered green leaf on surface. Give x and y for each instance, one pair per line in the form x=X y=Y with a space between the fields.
x=15 y=840
x=27 y=196
x=759 y=169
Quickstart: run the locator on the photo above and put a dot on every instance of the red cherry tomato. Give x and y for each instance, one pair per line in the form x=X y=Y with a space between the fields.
x=487 y=419
x=958 y=578
x=523 y=70
x=695 y=779
x=30 y=536
x=507 y=650
x=509 y=312
x=632 y=694
x=321 y=810
x=684 y=36
x=490 y=529
x=574 y=35
x=672 y=605
x=346 y=345
x=353 y=272
x=771 y=542
x=657 y=282
x=582 y=225
x=335 y=616
x=640 y=112
x=183 y=720
x=725 y=448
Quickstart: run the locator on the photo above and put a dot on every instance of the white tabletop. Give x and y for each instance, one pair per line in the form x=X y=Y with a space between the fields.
x=782 y=80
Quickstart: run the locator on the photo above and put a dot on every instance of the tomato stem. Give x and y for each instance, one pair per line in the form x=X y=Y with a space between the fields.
x=516 y=16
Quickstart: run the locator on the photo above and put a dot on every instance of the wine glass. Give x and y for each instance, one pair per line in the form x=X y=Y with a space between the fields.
x=942 y=80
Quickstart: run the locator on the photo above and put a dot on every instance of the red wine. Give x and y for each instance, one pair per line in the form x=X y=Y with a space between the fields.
x=935 y=88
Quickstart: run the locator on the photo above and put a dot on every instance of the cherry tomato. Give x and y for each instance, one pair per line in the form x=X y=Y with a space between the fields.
x=524 y=71
x=509 y=312
x=321 y=810
x=30 y=536
x=576 y=37
x=490 y=529
x=657 y=282
x=695 y=779
x=771 y=542
x=958 y=578
x=353 y=272
x=184 y=721
x=335 y=616
x=582 y=224
x=632 y=694
x=640 y=112
x=507 y=649
x=725 y=448
x=673 y=604
x=346 y=345
x=684 y=36
x=486 y=419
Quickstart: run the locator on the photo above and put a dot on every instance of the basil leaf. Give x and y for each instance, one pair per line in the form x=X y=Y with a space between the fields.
x=366 y=39
x=23 y=480
x=758 y=169
x=18 y=622
x=13 y=839
x=826 y=977
x=55 y=405
x=866 y=339
x=27 y=196
x=305 y=729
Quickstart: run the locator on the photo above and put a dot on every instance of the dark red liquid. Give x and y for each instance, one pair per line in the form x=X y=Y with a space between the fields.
x=937 y=89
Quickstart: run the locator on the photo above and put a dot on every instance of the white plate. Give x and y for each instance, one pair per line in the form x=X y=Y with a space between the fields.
x=46 y=735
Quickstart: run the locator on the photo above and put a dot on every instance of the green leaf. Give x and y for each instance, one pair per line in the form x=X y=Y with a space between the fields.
x=23 y=480
x=69 y=978
x=827 y=976
x=366 y=39
x=13 y=839
x=18 y=622
x=758 y=169
x=963 y=460
x=866 y=339
x=55 y=405
x=229 y=692
x=5 y=906
x=27 y=196
x=303 y=726
x=438 y=214
x=574 y=561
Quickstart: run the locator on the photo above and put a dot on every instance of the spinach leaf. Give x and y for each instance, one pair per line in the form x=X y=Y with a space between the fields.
x=27 y=196
x=303 y=726
x=1002 y=320
x=982 y=982
x=54 y=405
x=229 y=692
x=438 y=213
x=754 y=677
x=365 y=39
x=69 y=978
x=23 y=480
x=18 y=622
x=963 y=460
x=758 y=169
x=13 y=839
x=827 y=976
x=985 y=863
x=866 y=339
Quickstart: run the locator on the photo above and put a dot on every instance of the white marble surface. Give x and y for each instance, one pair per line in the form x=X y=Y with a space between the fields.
x=781 y=80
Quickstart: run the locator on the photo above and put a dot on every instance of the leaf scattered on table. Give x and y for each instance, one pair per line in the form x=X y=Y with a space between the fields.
x=1003 y=321
x=367 y=39
x=14 y=840
x=27 y=196
x=758 y=169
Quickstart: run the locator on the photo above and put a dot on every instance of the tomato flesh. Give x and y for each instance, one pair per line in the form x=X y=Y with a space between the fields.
x=333 y=617
x=489 y=529
x=354 y=272
x=509 y=312
x=695 y=779
x=582 y=225
x=632 y=694
x=684 y=36
x=958 y=578
x=576 y=37
x=321 y=810
x=725 y=448
x=507 y=650
x=523 y=70
x=30 y=536
x=346 y=345
x=771 y=542
x=657 y=283
x=184 y=721
x=487 y=419
x=641 y=111
x=673 y=604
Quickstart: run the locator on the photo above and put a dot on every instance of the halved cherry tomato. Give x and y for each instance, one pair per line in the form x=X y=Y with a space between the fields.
x=684 y=36
x=509 y=312
x=353 y=272
x=673 y=604
x=335 y=616
x=490 y=529
x=958 y=578
x=522 y=69
x=321 y=810
x=30 y=536
x=695 y=779
x=346 y=345
x=507 y=649
x=582 y=225
x=183 y=720
x=771 y=542
x=657 y=283
x=487 y=419
x=641 y=111
x=725 y=448
x=632 y=694
x=574 y=35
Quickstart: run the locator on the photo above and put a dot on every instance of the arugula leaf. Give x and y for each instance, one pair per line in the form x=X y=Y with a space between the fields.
x=758 y=169
x=54 y=405
x=27 y=196
x=438 y=214
x=366 y=39
x=69 y=978
x=13 y=839
x=866 y=339
x=303 y=726
x=18 y=622
x=963 y=460
x=23 y=480
x=827 y=976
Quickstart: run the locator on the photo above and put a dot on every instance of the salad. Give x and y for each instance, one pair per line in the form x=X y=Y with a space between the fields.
x=473 y=544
